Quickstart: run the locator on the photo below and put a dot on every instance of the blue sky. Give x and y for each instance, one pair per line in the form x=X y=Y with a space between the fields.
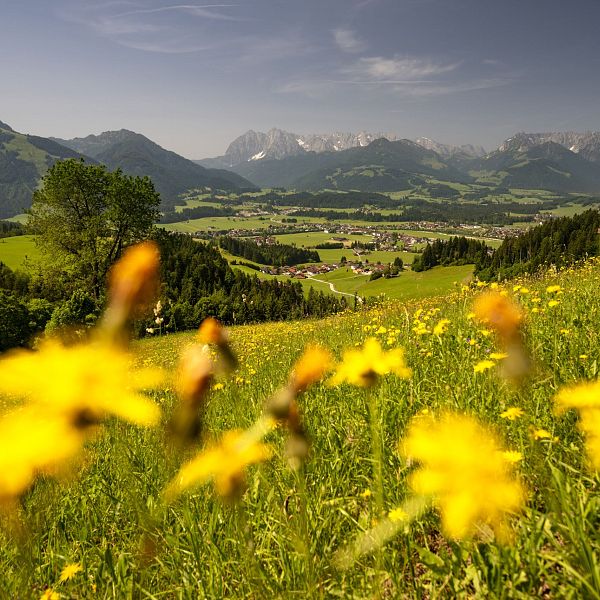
x=194 y=75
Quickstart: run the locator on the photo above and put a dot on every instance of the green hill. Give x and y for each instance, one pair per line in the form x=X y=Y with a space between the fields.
x=548 y=166
x=24 y=159
x=172 y=174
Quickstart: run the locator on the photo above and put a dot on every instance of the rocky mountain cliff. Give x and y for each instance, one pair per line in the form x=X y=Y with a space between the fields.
x=277 y=144
x=585 y=144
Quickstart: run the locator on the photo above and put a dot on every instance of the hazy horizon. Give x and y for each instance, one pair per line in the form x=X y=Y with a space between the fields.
x=193 y=77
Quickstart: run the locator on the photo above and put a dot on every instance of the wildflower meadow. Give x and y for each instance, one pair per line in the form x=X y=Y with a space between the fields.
x=445 y=448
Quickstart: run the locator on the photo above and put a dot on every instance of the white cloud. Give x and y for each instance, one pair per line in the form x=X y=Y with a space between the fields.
x=397 y=69
x=347 y=41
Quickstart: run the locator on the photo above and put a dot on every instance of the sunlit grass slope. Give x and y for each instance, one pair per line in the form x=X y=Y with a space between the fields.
x=280 y=539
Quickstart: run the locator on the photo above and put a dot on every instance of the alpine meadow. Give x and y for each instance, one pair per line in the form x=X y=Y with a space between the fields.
x=287 y=343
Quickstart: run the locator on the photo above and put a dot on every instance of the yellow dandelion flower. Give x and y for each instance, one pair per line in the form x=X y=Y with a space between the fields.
x=88 y=381
x=441 y=327
x=194 y=374
x=462 y=469
x=512 y=456
x=498 y=355
x=70 y=571
x=212 y=332
x=585 y=398
x=32 y=442
x=583 y=356
x=133 y=282
x=541 y=434
x=366 y=494
x=50 y=594
x=500 y=313
x=362 y=367
x=381 y=331
x=524 y=290
x=553 y=289
x=483 y=365
x=225 y=463
x=553 y=303
x=512 y=413
x=397 y=514
x=310 y=368
x=217 y=387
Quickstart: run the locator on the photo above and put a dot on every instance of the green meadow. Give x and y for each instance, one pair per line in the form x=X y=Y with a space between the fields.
x=347 y=521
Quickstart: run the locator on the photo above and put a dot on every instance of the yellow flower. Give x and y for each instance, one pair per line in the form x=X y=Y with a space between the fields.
x=212 y=332
x=397 y=514
x=585 y=398
x=381 y=330
x=463 y=470
x=217 y=387
x=552 y=289
x=133 y=280
x=194 y=374
x=498 y=355
x=541 y=434
x=310 y=367
x=50 y=594
x=32 y=442
x=512 y=413
x=87 y=381
x=512 y=456
x=366 y=494
x=553 y=303
x=483 y=365
x=441 y=327
x=500 y=313
x=361 y=367
x=70 y=571
x=224 y=463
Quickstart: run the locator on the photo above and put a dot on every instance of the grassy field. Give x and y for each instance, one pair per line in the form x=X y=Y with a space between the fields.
x=409 y=285
x=15 y=250
x=349 y=521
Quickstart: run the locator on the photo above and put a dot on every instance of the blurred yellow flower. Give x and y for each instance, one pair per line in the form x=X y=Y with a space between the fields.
x=362 y=367
x=500 y=313
x=585 y=398
x=441 y=327
x=553 y=303
x=512 y=456
x=552 y=289
x=33 y=442
x=463 y=470
x=50 y=594
x=88 y=381
x=397 y=514
x=483 y=365
x=133 y=283
x=512 y=413
x=212 y=332
x=498 y=355
x=70 y=571
x=541 y=434
x=224 y=463
x=310 y=367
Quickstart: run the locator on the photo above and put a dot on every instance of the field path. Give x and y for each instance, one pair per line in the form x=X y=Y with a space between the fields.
x=332 y=288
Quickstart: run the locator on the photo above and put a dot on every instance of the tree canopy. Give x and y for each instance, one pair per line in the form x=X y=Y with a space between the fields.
x=85 y=215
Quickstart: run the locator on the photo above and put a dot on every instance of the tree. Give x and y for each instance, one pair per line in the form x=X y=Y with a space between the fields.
x=85 y=215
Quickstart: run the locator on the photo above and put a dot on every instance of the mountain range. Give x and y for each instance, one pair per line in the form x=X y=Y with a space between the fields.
x=277 y=144
x=560 y=161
